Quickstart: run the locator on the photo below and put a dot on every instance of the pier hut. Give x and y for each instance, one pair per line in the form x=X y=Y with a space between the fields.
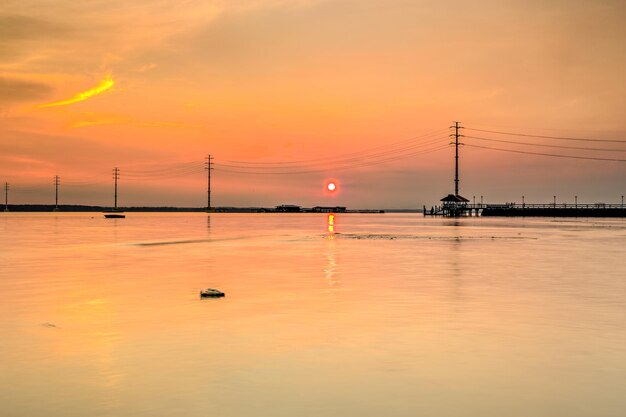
x=454 y=205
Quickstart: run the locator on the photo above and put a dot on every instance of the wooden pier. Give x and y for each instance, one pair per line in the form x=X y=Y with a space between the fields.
x=528 y=210
x=555 y=210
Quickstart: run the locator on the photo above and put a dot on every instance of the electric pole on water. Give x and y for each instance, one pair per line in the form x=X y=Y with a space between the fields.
x=208 y=167
x=56 y=192
x=456 y=155
x=6 y=196
x=116 y=176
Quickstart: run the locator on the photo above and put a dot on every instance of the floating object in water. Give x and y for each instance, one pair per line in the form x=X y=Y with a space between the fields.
x=114 y=214
x=211 y=293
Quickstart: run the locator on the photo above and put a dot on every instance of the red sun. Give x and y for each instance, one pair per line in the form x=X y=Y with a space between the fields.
x=331 y=186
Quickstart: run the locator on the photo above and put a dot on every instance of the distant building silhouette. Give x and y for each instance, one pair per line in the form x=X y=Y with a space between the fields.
x=324 y=209
x=288 y=208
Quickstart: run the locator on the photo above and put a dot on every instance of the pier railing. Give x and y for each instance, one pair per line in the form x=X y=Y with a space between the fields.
x=523 y=209
x=598 y=206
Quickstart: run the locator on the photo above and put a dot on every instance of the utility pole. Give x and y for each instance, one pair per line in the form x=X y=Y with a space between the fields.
x=56 y=192
x=209 y=168
x=116 y=176
x=456 y=156
x=575 y=201
x=6 y=196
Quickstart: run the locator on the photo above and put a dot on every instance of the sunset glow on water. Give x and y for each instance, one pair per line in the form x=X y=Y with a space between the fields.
x=396 y=315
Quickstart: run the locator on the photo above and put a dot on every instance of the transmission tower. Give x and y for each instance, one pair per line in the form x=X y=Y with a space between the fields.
x=456 y=143
x=209 y=167
x=116 y=176
x=6 y=196
x=57 y=181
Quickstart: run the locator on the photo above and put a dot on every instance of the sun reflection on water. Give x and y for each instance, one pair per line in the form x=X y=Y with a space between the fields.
x=331 y=226
x=331 y=266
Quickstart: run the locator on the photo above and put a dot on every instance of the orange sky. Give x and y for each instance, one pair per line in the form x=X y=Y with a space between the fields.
x=281 y=80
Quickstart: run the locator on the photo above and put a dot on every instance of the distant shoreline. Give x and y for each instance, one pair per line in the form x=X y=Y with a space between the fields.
x=69 y=208
x=488 y=212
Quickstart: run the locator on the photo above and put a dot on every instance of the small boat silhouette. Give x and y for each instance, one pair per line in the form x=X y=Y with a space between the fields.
x=114 y=215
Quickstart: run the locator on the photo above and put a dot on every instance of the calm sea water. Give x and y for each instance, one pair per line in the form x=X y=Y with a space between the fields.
x=390 y=315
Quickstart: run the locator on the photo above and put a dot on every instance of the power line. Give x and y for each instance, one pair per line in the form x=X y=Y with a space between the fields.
x=85 y=184
x=179 y=169
x=344 y=167
x=509 y=127
x=166 y=168
x=335 y=168
x=342 y=156
x=97 y=179
x=548 y=154
x=28 y=188
x=19 y=190
x=549 y=137
x=182 y=169
x=147 y=177
x=372 y=157
x=546 y=145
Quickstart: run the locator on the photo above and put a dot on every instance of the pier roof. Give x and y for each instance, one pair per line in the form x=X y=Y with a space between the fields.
x=451 y=198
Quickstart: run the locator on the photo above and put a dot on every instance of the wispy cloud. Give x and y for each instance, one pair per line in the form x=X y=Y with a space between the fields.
x=106 y=84
x=14 y=90
x=147 y=67
x=130 y=122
